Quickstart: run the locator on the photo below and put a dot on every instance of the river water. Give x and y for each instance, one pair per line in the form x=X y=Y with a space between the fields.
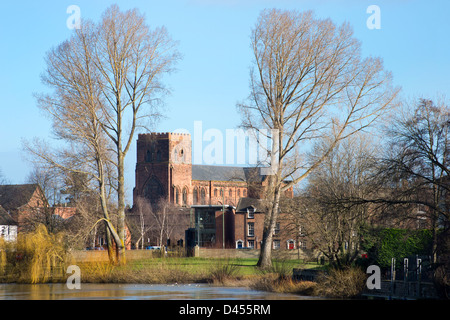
x=109 y=291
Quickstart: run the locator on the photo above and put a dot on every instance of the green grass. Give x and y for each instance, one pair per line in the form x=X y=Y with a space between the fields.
x=245 y=267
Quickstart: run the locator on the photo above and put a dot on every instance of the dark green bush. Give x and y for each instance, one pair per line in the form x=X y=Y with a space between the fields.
x=384 y=244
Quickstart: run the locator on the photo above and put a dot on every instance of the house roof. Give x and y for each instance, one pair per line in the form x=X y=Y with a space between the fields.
x=247 y=203
x=15 y=196
x=222 y=173
x=5 y=218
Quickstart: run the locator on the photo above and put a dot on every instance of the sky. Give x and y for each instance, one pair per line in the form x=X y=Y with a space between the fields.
x=413 y=40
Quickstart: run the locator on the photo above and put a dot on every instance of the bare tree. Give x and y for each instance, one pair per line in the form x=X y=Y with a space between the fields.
x=142 y=216
x=49 y=182
x=333 y=217
x=75 y=109
x=107 y=85
x=308 y=81
x=415 y=167
x=131 y=60
x=167 y=220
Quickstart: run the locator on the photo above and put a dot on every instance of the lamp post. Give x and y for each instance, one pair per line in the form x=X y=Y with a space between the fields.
x=223 y=220
x=198 y=230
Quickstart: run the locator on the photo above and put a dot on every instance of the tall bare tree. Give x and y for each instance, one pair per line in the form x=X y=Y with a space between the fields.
x=107 y=81
x=131 y=60
x=308 y=81
x=75 y=109
x=416 y=162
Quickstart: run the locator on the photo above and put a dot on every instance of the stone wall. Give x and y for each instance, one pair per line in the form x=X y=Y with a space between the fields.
x=248 y=253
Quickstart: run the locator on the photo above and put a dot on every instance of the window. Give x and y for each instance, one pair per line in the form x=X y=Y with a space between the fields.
x=203 y=196
x=148 y=156
x=153 y=190
x=251 y=213
x=221 y=192
x=158 y=156
x=185 y=196
x=177 y=195
x=215 y=192
x=251 y=229
x=244 y=193
x=276 y=244
x=277 y=229
x=195 y=196
x=238 y=192
x=239 y=244
x=230 y=193
x=251 y=244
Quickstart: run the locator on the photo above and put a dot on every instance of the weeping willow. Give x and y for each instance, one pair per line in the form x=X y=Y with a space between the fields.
x=3 y=257
x=41 y=256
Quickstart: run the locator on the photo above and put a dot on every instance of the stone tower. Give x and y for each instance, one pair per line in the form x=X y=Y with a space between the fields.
x=164 y=167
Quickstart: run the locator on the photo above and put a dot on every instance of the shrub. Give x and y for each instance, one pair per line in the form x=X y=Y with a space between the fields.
x=223 y=270
x=40 y=256
x=341 y=283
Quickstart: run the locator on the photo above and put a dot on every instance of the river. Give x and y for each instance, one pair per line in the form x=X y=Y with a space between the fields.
x=89 y=291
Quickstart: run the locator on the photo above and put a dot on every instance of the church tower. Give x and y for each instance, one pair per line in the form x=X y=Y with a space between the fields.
x=164 y=167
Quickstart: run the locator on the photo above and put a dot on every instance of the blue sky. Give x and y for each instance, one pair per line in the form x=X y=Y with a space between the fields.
x=414 y=41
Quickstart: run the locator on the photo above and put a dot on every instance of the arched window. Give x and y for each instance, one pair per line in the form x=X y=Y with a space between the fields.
x=148 y=156
x=238 y=192
x=215 y=192
x=158 y=155
x=221 y=192
x=203 y=195
x=153 y=190
x=177 y=195
x=195 y=196
x=185 y=192
x=230 y=193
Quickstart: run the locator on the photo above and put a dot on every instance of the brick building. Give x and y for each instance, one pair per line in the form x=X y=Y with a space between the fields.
x=22 y=206
x=164 y=169
x=22 y=202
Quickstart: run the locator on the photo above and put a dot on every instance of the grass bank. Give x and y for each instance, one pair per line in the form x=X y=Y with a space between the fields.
x=221 y=272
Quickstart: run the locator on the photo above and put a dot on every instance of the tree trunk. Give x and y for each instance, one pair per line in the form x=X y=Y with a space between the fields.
x=270 y=221
x=265 y=256
x=109 y=243
x=121 y=213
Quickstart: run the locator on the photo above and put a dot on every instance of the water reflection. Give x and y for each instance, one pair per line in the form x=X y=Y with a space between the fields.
x=134 y=292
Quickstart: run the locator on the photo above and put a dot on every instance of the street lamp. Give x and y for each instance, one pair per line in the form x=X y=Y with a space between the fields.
x=198 y=229
x=223 y=220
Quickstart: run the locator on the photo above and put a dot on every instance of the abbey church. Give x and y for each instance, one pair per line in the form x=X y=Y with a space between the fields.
x=164 y=169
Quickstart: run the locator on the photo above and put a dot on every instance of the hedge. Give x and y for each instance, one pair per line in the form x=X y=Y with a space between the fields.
x=384 y=244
